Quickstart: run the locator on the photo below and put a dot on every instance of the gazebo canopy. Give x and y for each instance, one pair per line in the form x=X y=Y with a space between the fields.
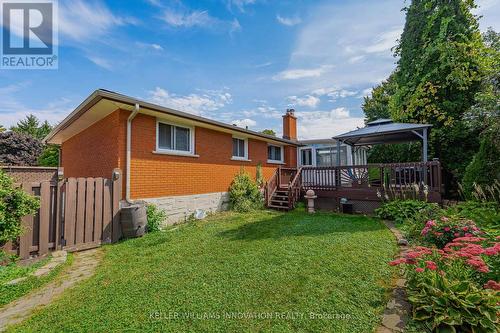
x=385 y=131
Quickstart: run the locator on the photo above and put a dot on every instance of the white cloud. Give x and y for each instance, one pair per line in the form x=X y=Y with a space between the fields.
x=385 y=41
x=326 y=124
x=88 y=20
x=294 y=74
x=195 y=18
x=244 y=122
x=240 y=4
x=198 y=18
x=209 y=100
x=307 y=100
x=153 y=46
x=13 y=109
x=288 y=21
x=101 y=62
x=334 y=93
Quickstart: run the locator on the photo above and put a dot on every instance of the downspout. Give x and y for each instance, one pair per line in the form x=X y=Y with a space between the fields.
x=129 y=148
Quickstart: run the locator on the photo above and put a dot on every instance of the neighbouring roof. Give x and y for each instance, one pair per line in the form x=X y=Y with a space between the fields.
x=103 y=102
x=383 y=131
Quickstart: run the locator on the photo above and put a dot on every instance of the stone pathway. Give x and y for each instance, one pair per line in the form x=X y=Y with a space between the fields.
x=58 y=258
x=84 y=265
x=396 y=311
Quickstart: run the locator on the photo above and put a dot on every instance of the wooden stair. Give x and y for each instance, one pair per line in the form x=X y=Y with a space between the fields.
x=279 y=199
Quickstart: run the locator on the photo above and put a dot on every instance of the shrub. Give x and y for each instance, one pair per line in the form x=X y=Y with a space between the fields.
x=244 y=195
x=156 y=217
x=14 y=204
x=443 y=230
x=484 y=167
x=485 y=214
x=401 y=210
x=452 y=289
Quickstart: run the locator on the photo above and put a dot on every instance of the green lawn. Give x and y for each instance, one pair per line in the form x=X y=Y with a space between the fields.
x=264 y=271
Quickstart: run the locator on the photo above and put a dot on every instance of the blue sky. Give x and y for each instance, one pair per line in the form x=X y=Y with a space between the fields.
x=238 y=61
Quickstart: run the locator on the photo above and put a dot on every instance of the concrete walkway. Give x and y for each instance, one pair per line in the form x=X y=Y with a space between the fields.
x=84 y=265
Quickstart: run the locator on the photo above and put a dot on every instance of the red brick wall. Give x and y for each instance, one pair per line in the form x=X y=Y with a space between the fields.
x=97 y=150
x=102 y=147
x=155 y=175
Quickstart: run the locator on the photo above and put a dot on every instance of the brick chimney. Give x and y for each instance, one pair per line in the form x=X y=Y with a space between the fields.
x=290 y=125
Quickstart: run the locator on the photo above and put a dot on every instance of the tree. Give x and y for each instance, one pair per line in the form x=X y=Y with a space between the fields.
x=438 y=75
x=19 y=149
x=49 y=156
x=269 y=132
x=2 y=129
x=31 y=125
x=485 y=114
x=376 y=106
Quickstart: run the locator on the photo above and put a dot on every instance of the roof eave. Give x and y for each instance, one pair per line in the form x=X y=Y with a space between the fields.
x=99 y=94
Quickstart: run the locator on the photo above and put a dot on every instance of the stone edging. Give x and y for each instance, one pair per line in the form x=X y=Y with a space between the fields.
x=396 y=311
x=58 y=258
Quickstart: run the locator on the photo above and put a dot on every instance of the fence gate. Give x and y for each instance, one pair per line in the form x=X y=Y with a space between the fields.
x=75 y=214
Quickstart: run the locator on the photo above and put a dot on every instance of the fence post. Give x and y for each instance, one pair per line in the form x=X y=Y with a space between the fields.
x=44 y=226
x=26 y=238
x=117 y=195
x=59 y=211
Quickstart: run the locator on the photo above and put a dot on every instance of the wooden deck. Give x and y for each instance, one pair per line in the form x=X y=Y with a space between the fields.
x=364 y=185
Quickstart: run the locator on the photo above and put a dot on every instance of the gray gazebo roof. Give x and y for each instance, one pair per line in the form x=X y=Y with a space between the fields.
x=383 y=131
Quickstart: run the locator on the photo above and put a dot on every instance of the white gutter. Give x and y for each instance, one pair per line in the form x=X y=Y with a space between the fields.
x=129 y=148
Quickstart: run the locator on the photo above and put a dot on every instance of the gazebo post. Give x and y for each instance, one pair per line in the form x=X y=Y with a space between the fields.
x=338 y=152
x=424 y=144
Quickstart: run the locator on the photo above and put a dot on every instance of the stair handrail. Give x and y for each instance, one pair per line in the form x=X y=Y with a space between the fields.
x=294 y=188
x=271 y=186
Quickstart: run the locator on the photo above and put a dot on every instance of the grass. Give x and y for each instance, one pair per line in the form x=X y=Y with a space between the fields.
x=10 y=293
x=263 y=271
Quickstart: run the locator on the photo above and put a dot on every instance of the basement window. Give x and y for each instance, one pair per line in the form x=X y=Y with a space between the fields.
x=174 y=138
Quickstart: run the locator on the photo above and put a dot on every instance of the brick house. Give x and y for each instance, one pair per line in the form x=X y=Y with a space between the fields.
x=174 y=159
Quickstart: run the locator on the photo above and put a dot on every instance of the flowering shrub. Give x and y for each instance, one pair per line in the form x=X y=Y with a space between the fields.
x=454 y=288
x=443 y=230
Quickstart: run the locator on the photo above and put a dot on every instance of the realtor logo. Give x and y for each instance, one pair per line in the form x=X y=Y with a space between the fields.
x=29 y=34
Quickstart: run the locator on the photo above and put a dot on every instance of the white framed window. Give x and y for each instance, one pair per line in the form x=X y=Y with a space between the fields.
x=240 y=148
x=174 y=139
x=306 y=156
x=275 y=154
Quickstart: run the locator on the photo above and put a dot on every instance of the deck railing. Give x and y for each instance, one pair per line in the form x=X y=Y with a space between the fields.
x=393 y=175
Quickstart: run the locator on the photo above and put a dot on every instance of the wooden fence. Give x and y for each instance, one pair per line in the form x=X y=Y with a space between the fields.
x=74 y=214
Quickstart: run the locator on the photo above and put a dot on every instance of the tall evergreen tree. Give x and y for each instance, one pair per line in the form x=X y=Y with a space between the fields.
x=438 y=75
x=32 y=126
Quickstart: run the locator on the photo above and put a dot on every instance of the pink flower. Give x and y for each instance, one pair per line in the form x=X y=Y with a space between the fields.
x=430 y=223
x=456 y=234
x=491 y=251
x=492 y=285
x=465 y=228
x=397 y=262
x=478 y=264
x=447 y=229
x=431 y=265
x=424 y=231
x=419 y=269
x=444 y=219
